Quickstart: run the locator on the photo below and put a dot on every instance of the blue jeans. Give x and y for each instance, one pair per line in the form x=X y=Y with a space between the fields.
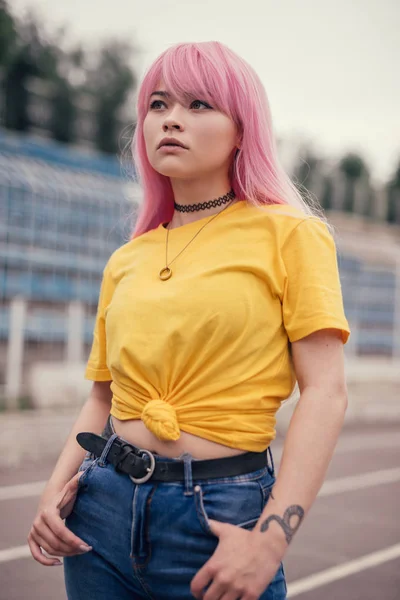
x=150 y=540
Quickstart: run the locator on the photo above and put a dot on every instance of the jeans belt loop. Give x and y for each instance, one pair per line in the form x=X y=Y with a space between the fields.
x=107 y=447
x=187 y=467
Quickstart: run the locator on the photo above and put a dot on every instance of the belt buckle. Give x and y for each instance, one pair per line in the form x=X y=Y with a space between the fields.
x=150 y=470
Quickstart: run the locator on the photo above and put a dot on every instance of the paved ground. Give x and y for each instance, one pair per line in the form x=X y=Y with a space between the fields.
x=348 y=548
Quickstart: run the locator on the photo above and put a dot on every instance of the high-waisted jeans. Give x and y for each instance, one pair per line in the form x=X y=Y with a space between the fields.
x=149 y=540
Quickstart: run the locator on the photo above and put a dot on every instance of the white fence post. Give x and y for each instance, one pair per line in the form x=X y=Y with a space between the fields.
x=76 y=322
x=15 y=352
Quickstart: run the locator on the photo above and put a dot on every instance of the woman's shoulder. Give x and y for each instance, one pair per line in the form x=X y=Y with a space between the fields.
x=282 y=218
x=130 y=248
x=118 y=259
x=284 y=223
x=277 y=211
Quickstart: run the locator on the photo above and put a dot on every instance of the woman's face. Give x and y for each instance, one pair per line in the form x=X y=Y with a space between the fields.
x=210 y=137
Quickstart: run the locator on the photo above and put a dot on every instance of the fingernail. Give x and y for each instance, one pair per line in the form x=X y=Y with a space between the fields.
x=57 y=564
x=85 y=548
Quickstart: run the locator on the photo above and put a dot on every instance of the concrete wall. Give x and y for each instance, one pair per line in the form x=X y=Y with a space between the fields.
x=373 y=390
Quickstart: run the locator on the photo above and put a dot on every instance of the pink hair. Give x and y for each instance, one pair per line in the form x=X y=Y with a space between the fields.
x=212 y=72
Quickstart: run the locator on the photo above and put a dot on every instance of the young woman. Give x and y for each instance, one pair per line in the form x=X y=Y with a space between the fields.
x=227 y=293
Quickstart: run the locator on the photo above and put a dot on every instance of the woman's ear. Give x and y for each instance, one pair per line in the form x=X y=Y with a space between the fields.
x=239 y=136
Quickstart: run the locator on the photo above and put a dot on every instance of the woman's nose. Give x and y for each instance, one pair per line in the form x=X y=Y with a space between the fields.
x=172 y=124
x=172 y=120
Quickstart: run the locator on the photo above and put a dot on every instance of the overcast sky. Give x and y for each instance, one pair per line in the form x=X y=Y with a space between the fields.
x=330 y=69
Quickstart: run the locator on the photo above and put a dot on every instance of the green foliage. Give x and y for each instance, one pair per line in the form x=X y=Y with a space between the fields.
x=15 y=91
x=353 y=167
x=110 y=82
x=63 y=112
x=326 y=199
x=8 y=34
x=393 y=191
x=27 y=49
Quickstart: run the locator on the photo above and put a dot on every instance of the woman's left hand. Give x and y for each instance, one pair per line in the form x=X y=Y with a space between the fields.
x=242 y=566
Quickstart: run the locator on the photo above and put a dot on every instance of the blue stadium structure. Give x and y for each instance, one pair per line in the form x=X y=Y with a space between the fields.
x=63 y=212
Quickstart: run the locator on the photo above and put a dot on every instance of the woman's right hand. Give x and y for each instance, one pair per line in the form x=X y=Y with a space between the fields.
x=49 y=533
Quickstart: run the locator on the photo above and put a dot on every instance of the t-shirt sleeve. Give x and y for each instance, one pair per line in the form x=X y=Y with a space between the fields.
x=312 y=295
x=96 y=368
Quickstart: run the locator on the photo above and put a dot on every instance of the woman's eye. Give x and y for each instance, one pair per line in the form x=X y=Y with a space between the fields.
x=156 y=104
x=195 y=104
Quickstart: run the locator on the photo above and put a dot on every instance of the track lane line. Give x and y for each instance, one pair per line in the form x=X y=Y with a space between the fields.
x=349 y=483
x=322 y=578
x=14 y=553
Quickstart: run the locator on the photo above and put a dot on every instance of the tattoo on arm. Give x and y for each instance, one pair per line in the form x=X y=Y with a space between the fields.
x=293 y=511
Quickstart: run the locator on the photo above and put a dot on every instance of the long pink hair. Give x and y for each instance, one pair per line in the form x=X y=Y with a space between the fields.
x=212 y=72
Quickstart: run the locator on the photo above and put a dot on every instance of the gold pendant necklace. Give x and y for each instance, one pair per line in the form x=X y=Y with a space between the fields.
x=166 y=272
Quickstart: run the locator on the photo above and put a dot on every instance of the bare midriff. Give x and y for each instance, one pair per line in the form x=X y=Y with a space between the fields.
x=135 y=432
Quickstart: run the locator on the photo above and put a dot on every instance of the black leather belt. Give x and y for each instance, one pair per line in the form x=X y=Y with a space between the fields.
x=142 y=465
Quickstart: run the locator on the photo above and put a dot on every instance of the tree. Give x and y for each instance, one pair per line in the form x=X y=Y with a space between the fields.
x=353 y=168
x=393 y=212
x=66 y=80
x=110 y=82
x=63 y=112
x=8 y=34
x=327 y=193
x=28 y=50
x=16 y=93
x=31 y=57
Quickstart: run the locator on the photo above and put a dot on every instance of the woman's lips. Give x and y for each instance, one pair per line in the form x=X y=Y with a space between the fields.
x=167 y=149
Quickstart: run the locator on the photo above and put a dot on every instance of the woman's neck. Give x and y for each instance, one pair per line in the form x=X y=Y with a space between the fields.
x=189 y=193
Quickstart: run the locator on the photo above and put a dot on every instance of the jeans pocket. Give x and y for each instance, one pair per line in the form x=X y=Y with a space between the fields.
x=87 y=465
x=236 y=503
x=277 y=589
x=266 y=488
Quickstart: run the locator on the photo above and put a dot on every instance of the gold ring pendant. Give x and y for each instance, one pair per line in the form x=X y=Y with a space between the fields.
x=165 y=273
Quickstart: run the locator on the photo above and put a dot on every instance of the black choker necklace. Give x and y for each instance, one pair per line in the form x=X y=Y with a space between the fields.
x=203 y=205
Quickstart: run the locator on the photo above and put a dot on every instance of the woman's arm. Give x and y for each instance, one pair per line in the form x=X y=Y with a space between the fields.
x=245 y=562
x=48 y=532
x=311 y=437
x=92 y=417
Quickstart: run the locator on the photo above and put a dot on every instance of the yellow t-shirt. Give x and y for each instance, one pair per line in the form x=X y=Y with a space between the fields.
x=207 y=352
